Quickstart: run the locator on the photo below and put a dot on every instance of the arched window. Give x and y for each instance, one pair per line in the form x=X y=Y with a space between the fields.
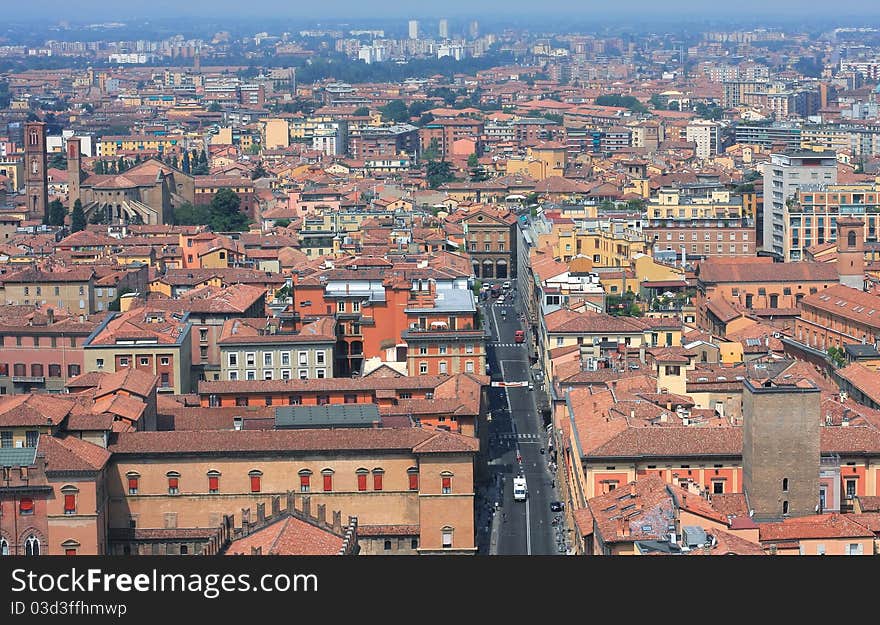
x=4 y=547
x=446 y=482
x=362 y=479
x=133 y=480
x=214 y=482
x=32 y=546
x=446 y=537
x=305 y=481
x=328 y=480
x=784 y=507
x=413 y=474
x=173 y=482
x=378 y=473
x=70 y=492
x=25 y=506
x=851 y=239
x=256 y=479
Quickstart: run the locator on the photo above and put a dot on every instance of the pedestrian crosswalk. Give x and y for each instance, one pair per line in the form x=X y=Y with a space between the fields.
x=508 y=344
x=520 y=437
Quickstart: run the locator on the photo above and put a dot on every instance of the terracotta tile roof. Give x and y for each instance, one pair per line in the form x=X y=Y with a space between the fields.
x=727 y=272
x=246 y=441
x=869 y=504
x=88 y=422
x=34 y=410
x=568 y=321
x=288 y=536
x=869 y=520
x=70 y=453
x=128 y=379
x=728 y=544
x=722 y=309
x=830 y=525
x=37 y=276
x=220 y=387
x=249 y=331
x=583 y=520
x=135 y=324
x=866 y=380
x=640 y=510
x=849 y=440
x=388 y=530
x=847 y=303
x=643 y=442
x=731 y=504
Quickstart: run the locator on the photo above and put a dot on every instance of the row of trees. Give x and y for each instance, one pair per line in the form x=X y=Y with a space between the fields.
x=56 y=214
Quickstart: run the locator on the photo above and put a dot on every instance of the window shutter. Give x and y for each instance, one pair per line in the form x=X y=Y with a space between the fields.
x=213 y=483
x=377 y=481
x=304 y=480
x=447 y=483
x=132 y=483
x=414 y=481
x=255 y=483
x=26 y=505
x=69 y=503
x=328 y=483
x=362 y=481
x=172 y=482
x=70 y=552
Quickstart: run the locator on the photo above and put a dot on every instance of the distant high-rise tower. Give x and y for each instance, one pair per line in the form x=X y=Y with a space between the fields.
x=36 y=184
x=474 y=29
x=444 y=29
x=414 y=29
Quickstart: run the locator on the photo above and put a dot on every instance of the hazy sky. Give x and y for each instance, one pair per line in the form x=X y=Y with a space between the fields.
x=342 y=9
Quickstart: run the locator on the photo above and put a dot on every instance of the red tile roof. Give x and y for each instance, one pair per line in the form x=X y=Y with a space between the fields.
x=288 y=536
x=814 y=526
x=727 y=272
x=69 y=453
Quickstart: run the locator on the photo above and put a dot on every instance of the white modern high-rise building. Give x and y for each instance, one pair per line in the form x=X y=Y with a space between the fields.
x=414 y=29
x=783 y=175
x=706 y=135
x=444 y=29
x=474 y=29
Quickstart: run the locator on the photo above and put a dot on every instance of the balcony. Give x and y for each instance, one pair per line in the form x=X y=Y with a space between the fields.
x=28 y=379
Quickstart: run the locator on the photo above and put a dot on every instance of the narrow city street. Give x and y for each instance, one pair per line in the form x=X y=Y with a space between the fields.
x=518 y=445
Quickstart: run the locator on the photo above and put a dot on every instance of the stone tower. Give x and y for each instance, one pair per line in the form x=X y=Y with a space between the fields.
x=36 y=183
x=781 y=448
x=74 y=170
x=851 y=252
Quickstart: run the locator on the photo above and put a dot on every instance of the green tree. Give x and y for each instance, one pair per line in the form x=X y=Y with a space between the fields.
x=439 y=172
x=625 y=101
x=259 y=171
x=282 y=223
x=225 y=213
x=215 y=107
x=188 y=214
x=185 y=163
x=473 y=161
x=657 y=102
x=121 y=165
x=77 y=217
x=56 y=213
x=100 y=168
x=837 y=356
x=395 y=111
x=432 y=152
x=361 y=111
x=58 y=161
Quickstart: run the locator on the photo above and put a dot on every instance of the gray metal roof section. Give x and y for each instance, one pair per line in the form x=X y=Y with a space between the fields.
x=450 y=300
x=18 y=456
x=326 y=416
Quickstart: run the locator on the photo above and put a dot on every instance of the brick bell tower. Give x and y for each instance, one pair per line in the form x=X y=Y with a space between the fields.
x=35 y=182
x=74 y=170
x=851 y=252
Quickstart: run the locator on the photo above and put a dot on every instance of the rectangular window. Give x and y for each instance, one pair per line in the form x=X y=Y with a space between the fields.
x=285 y=374
x=362 y=481
x=304 y=483
x=350 y=398
x=377 y=481
x=213 y=484
x=255 y=483
x=6 y=439
x=414 y=481
x=203 y=335
x=69 y=504
x=285 y=359
x=164 y=361
x=423 y=368
x=233 y=359
x=320 y=373
x=446 y=485
x=328 y=483
x=447 y=539
x=31 y=437
x=303 y=358
x=250 y=359
x=442 y=349
x=340 y=306
x=850 y=489
x=132 y=486
x=469 y=366
x=355 y=307
x=718 y=487
x=233 y=375
x=267 y=375
x=303 y=374
x=267 y=359
x=295 y=400
x=319 y=358
x=173 y=486
x=251 y=375
x=323 y=400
